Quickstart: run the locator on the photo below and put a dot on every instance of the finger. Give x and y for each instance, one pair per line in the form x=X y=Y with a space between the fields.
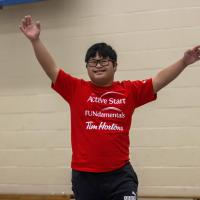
x=29 y=20
x=197 y=48
x=24 y=23
x=21 y=28
x=38 y=24
x=26 y=20
x=196 y=52
x=198 y=55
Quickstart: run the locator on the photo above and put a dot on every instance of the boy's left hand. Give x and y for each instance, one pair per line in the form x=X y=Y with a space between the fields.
x=191 y=55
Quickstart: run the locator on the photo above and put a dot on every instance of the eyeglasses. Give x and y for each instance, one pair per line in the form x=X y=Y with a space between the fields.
x=102 y=62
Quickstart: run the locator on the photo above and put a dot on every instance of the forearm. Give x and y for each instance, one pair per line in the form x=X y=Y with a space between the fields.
x=168 y=74
x=45 y=59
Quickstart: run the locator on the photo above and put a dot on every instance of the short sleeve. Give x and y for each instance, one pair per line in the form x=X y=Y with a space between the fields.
x=65 y=85
x=144 y=92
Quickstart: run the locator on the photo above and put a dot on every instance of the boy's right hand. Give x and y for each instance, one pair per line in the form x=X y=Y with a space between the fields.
x=29 y=28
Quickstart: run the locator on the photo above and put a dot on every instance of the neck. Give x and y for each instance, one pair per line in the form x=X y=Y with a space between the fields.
x=103 y=84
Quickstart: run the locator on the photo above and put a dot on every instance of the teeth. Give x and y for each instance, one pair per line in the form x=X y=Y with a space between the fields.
x=99 y=71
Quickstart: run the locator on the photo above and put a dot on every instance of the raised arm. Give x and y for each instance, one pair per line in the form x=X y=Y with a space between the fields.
x=168 y=74
x=32 y=31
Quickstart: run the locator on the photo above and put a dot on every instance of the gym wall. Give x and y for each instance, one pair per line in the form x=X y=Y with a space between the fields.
x=148 y=35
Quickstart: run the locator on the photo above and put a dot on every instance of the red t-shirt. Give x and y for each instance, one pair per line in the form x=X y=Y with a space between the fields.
x=101 y=120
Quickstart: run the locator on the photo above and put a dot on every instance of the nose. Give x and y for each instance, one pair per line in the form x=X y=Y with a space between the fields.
x=98 y=65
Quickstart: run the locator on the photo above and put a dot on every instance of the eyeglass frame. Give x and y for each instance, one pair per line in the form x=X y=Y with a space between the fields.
x=99 y=61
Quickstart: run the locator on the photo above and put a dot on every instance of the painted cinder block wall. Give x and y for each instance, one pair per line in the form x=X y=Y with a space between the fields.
x=34 y=121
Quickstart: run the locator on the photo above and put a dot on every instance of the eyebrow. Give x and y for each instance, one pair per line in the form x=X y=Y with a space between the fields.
x=99 y=59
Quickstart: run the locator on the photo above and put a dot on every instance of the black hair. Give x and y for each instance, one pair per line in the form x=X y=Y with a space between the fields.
x=103 y=49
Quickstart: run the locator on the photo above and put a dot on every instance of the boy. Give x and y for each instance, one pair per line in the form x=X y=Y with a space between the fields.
x=101 y=112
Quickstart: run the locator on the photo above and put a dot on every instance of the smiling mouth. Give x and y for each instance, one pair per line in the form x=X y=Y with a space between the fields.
x=99 y=71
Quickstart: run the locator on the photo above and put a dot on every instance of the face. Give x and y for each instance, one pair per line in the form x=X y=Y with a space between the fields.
x=101 y=70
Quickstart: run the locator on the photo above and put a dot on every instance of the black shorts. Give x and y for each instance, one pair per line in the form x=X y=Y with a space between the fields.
x=120 y=184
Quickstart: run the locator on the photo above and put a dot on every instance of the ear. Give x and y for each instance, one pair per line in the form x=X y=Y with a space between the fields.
x=115 y=66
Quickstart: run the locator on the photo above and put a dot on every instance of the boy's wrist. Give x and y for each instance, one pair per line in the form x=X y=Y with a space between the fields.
x=184 y=63
x=34 y=41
